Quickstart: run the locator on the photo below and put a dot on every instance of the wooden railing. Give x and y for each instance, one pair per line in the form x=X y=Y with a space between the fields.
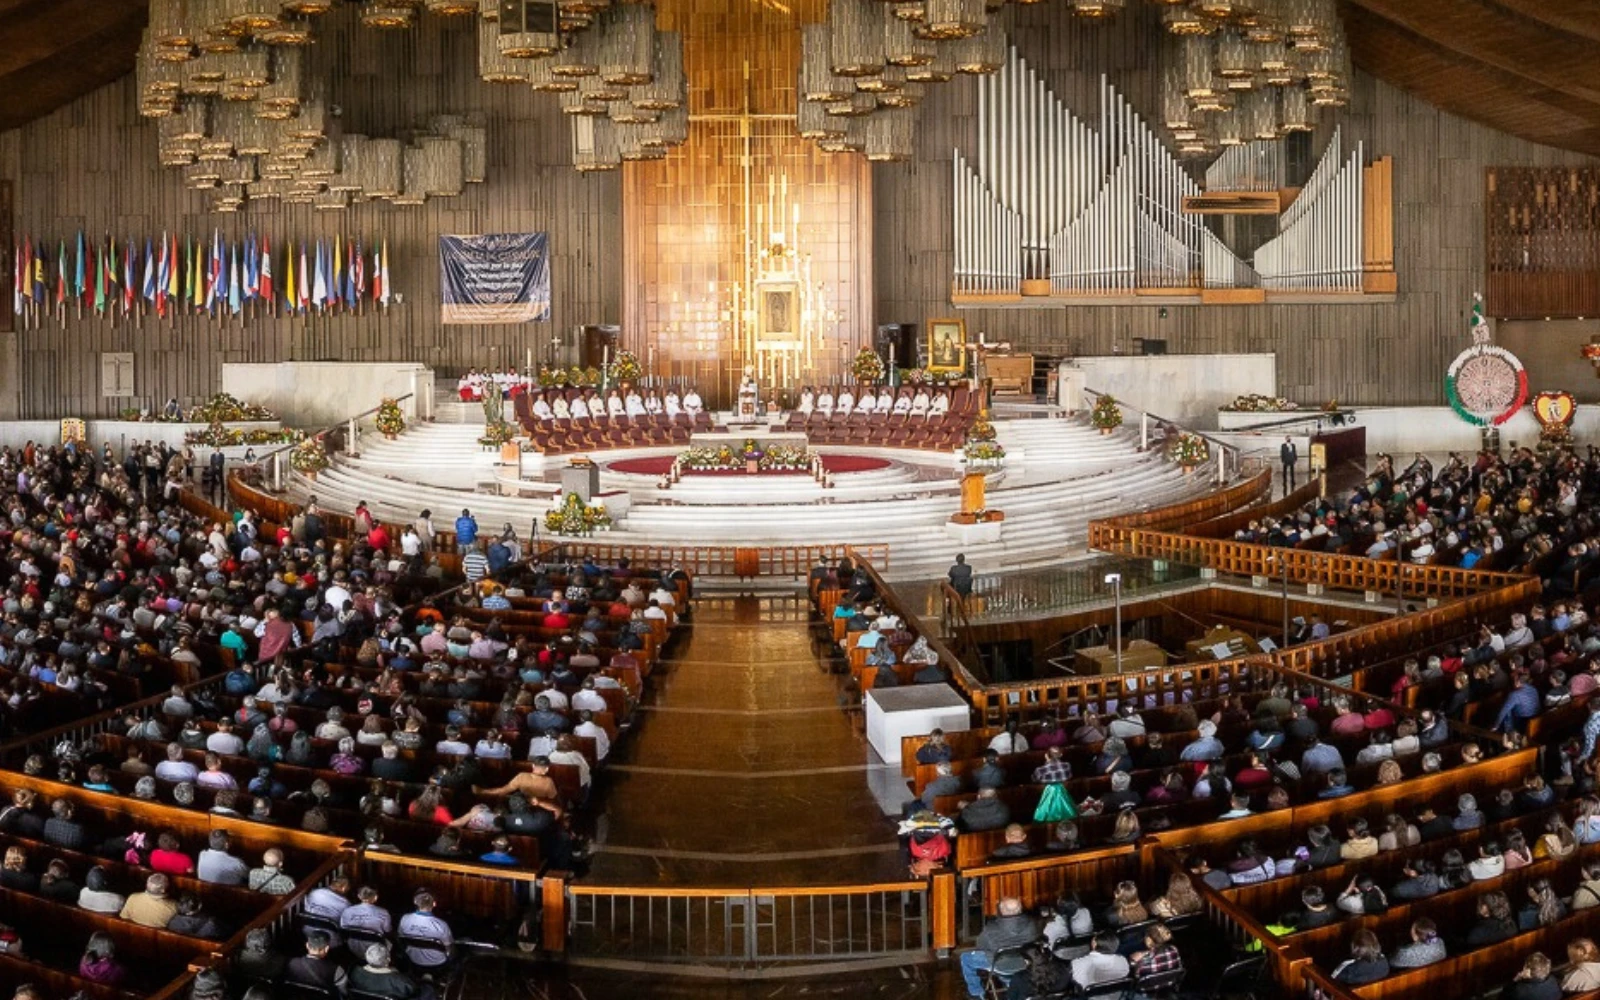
x=1224 y=525
x=1339 y=572
x=724 y=560
x=960 y=672
x=1213 y=504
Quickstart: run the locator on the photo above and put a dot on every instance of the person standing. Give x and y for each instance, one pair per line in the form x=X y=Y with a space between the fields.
x=961 y=577
x=1289 y=455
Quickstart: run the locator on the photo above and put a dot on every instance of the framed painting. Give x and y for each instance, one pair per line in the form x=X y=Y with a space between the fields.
x=778 y=309
x=947 y=345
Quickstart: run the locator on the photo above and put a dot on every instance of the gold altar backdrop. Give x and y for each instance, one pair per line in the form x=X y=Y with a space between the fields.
x=695 y=222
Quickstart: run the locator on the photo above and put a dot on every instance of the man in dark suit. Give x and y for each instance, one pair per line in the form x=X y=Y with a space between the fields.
x=961 y=577
x=1288 y=454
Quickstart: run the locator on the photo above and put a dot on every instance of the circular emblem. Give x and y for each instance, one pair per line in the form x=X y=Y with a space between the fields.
x=1486 y=385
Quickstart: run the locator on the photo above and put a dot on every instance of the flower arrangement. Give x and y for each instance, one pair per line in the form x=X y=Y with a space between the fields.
x=571 y=516
x=1189 y=450
x=786 y=458
x=224 y=408
x=218 y=436
x=981 y=430
x=625 y=366
x=922 y=376
x=497 y=434
x=867 y=367
x=576 y=377
x=988 y=452
x=549 y=378
x=309 y=457
x=390 y=420
x=1107 y=415
x=774 y=458
x=1257 y=403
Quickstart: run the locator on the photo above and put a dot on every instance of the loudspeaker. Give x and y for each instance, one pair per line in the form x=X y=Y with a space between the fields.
x=903 y=337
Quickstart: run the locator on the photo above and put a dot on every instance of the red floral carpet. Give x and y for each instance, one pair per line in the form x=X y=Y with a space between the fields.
x=659 y=465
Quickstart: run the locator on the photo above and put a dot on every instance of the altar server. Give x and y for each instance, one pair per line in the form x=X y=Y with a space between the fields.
x=825 y=403
x=941 y=405
x=541 y=408
x=614 y=405
x=919 y=404
x=846 y=403
x=692 y=404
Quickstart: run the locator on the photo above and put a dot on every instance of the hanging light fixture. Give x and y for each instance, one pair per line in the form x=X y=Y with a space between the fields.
x=1235 y=57
x=907 y=95
x=387 y=15
x=668 y=86
x=452 y=8
x=904 y=47
x=495 y=66
x=813 y=122
x=943 y=67
x=888 y=136
x=949 y=19
x=542 y=77
x=1295 y=110
x=527 y=29
x=1185 y=20
x=595 y=146
x=817 y=79
x=855 y=39
x=627 y=46
x=1097 y=8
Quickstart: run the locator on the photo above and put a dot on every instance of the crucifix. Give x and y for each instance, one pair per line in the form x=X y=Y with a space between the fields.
x=979 y=349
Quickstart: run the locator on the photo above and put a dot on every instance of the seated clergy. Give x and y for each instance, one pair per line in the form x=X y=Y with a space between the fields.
x=885 y=401
x=825 y=402
x=580 y=409
x=902 y=405
x=940 y=406
x=847 y=402
x=920 y=403
x=541 y=408
x=652 y=404
x=868 y=404
x=673 y=405
x=692 y=404
x=634 y=404
x=808 y=401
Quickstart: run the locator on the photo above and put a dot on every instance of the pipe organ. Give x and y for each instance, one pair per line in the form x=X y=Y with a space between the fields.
x=1048 y=205
x=1318 y=246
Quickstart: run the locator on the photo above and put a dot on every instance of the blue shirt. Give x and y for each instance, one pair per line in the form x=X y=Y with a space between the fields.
x=1204 y=748
x=1591 y=732
x=1521 y=703
x=466 y=531
x=1320 y=758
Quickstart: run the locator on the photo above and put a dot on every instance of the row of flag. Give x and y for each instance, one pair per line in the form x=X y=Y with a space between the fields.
x=215 y=277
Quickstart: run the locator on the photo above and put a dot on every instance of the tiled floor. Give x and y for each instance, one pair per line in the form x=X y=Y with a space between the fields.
x=745 y=768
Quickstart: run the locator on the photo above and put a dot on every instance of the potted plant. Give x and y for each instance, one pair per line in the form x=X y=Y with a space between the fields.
x=309 y=457
x=390 y=420
x=1189 y=450
x=495 y=435
x=984 y=454
x=625 y=367
x=867 y=367
x=752 y=455
x=1107 y=415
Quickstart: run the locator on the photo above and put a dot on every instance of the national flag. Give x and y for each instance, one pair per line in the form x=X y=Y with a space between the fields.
x=252 y=280
x=175 y=275
x=112 y=274
x=213 y=270
x=163 y=276
x=335 y=261
x=264 y=283
x=149 y=287
x=62 y=275
x=358 y=275
x=40 y=288
x=235 y=289
x=289 y=292
x=130 y=287
x=305 y=281
x=100 y=281
x=80 y=275
x=17 y=268
x=319 y=283
x=384 y=276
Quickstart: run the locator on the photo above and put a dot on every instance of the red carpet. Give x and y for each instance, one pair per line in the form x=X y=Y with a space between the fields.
x=660 y=464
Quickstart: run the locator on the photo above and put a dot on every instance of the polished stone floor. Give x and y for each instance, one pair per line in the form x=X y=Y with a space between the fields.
x=747 y=766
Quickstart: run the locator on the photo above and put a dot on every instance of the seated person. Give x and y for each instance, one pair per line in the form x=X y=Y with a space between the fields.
x=1366 y=964
x=1102 y=964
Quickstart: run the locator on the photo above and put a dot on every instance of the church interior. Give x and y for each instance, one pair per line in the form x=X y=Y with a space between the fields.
x=734 y=499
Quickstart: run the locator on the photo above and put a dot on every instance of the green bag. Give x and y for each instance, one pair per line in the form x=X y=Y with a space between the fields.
x=1055 y=805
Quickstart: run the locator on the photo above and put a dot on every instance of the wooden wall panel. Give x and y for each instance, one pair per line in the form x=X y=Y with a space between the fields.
x=1372 y=353
x=92 y=164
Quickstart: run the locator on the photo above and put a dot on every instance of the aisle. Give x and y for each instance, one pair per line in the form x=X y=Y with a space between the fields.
x=744 y=768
